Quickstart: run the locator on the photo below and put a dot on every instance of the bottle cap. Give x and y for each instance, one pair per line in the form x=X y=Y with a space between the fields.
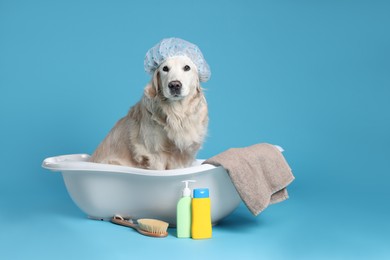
x=201 y=193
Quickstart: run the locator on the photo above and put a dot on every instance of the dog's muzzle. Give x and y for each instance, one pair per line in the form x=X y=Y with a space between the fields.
x=174 y=87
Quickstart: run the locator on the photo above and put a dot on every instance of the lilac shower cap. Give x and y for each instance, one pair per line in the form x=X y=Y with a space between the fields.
x=171 y=47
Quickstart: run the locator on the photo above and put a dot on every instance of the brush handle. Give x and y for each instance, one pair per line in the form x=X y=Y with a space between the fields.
x=123 y=222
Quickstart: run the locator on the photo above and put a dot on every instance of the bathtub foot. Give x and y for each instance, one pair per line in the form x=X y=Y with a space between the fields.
x=95 y=218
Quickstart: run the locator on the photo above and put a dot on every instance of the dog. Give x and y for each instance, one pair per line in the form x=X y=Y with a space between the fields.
x=166 y=128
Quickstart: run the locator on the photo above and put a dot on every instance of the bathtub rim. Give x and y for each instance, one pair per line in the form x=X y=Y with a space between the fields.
x=79 y=163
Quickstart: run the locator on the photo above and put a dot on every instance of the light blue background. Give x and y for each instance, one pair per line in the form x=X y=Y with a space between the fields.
x=312 y=76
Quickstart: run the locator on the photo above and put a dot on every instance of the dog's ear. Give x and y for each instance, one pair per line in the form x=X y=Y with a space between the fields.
x=149 y=91
x=156 y=80
x=152 y=88
x=198 y=86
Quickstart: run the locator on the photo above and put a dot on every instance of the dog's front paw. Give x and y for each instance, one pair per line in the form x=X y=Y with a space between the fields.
x=143 y=161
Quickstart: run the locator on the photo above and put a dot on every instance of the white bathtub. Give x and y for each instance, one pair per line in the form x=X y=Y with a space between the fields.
x=102 y=190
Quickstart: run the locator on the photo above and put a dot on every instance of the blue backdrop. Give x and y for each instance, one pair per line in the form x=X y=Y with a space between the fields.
x=311 y=76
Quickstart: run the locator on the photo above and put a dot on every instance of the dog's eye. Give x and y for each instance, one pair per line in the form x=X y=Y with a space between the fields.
x=165 y=68
x=186 y=68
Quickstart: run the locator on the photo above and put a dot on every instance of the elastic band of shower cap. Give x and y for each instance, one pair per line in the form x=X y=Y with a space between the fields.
x=171 y=47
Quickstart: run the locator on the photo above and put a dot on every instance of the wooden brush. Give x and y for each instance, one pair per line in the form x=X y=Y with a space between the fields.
x=146 y=227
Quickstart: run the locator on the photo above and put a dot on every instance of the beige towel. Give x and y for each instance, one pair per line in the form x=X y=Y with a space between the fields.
x=259 y=172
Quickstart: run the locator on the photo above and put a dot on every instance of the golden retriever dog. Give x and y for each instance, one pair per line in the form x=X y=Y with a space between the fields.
x=166 y=128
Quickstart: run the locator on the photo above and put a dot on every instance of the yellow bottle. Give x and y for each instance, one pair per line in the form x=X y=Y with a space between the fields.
x=201 y=215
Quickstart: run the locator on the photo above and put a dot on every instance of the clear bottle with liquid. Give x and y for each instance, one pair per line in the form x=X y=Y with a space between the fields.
x=183 y=213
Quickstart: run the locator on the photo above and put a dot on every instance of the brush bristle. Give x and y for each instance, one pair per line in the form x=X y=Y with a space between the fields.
x=153 y=225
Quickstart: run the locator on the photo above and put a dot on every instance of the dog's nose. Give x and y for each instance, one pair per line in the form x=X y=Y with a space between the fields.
x=174 y=86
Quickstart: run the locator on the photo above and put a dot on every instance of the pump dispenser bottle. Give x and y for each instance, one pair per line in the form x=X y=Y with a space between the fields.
x=183 y=214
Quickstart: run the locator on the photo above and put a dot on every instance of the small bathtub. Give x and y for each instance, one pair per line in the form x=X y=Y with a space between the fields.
x=103 y=190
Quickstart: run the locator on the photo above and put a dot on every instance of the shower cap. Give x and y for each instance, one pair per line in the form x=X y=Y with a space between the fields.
x=171 y=47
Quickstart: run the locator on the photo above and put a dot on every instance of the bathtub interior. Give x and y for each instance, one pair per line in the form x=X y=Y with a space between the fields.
x=102 y=191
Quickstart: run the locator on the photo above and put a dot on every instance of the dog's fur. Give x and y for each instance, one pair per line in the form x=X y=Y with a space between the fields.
x=165 y=129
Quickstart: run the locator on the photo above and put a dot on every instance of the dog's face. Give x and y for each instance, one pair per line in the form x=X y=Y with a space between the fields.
x=178 y=78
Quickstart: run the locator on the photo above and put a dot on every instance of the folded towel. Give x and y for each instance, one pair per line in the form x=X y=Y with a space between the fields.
x=259 y=172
